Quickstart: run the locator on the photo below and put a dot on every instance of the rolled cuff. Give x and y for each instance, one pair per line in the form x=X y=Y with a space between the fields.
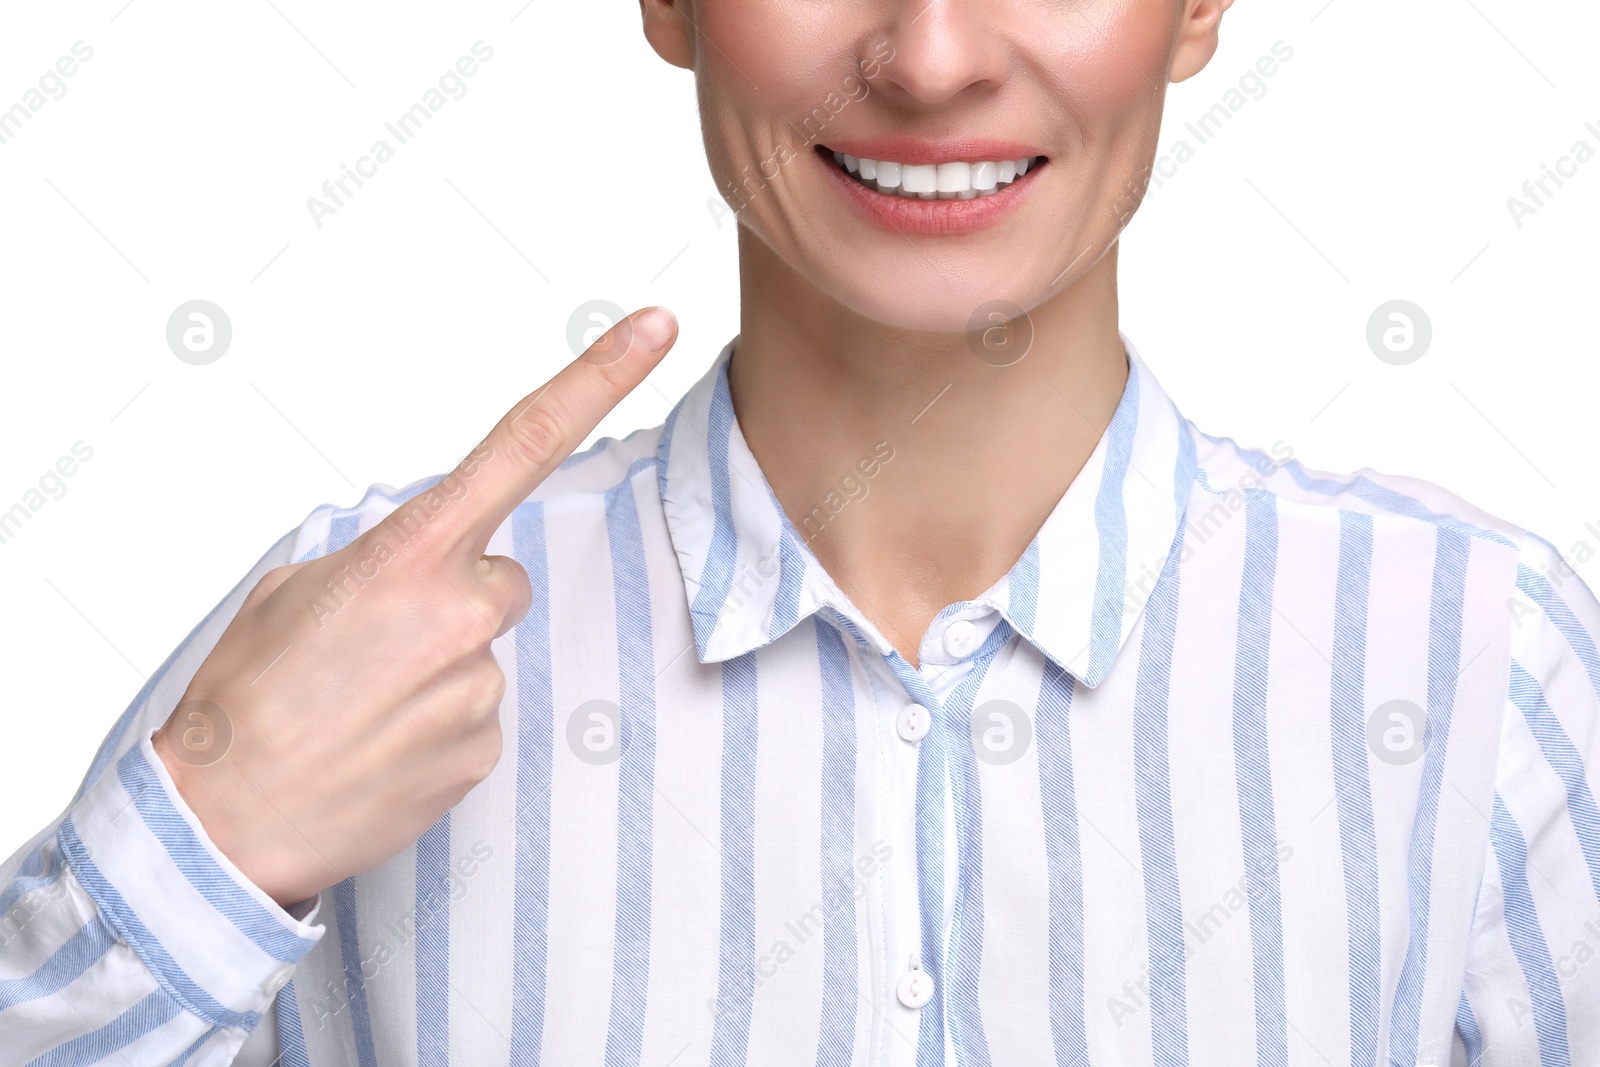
x=210 y=936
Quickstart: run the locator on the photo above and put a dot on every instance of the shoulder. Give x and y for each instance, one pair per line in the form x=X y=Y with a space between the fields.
x=1513 y=587
x=1501 y=567
x=581 y=483
x=1398 y=502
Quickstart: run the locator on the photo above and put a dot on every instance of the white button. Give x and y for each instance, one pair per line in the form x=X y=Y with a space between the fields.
x=915 y=988
x=960 y=638
x=913 y=722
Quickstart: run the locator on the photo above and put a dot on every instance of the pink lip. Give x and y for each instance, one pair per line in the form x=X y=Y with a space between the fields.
x=944 y=218
x=920 y=152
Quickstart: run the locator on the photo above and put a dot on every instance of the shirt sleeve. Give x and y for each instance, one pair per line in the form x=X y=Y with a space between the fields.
x=126 y=936
x=1532 y=988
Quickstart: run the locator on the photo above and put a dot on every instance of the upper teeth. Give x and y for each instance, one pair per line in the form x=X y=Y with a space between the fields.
x=935 y=181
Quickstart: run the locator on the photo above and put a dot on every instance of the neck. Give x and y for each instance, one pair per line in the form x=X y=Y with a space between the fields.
x=916 y=472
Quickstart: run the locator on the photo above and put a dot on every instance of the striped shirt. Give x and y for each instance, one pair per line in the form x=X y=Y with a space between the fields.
x=1241 y=762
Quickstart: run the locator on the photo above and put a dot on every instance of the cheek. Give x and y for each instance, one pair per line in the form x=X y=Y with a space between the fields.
x=773 y=77
x=1112 y=65
x=764 y=56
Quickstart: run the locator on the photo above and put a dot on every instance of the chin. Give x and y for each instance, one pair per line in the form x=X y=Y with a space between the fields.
x=953 y=295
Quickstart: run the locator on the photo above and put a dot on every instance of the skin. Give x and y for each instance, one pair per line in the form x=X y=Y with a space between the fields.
x=848 y=332
x=349 y=734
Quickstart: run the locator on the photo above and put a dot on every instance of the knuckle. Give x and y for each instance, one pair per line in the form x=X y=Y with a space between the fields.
x=491 y=687
x=535 y=434
x=486 y=753
x=516 y=574
x=475 y=697
x=516 y=594
x=455 y=718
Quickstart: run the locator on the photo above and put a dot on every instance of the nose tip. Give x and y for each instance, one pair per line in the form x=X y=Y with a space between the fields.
x=942 y=48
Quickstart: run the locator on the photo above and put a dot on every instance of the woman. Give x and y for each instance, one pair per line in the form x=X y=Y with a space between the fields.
x=926 y=689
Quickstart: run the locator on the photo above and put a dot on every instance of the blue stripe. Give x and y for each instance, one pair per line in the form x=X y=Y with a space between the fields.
x=344 y=912
x=1445 y=619
x=965 y=952
x=1352 y=787
x=1063 y=864
x=1186 y=468
x=630 y=972
x=535 y=731
x=1111 y=527
x=1527 y=938
x=432 y=877
x=837 y=1026
x=1253 y=773
x=32 y=875
x=931 y=757
x=1379 y=496
x=191 y=856
x=716 y=577
x=342 y=529
x=730 y=1034
x=664 y=447
x=151 y=1013
x=80 y=952
x=1467 y=1027
x=1169 y=1037
x=154 y=954
x=1539 y=590
x=791 y=576
x=1022 y=595
x=291 y=1030
x=1566 y=761
x=194 y=1047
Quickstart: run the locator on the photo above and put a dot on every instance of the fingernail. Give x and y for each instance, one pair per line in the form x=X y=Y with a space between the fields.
x=654 y=327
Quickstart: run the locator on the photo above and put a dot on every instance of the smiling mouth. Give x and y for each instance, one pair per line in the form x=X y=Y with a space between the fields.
x=933 y=181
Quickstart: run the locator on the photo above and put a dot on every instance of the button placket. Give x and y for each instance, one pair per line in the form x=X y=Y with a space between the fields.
x=893 y=908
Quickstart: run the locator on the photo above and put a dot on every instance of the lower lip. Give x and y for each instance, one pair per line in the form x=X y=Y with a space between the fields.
x=943 y=218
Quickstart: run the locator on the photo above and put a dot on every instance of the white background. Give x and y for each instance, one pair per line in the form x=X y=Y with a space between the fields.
x=381 y=346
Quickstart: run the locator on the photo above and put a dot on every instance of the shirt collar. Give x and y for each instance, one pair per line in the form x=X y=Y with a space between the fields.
x=1075 y=593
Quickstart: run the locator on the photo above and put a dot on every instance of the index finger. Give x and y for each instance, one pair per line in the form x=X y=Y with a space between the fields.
x=535 y=436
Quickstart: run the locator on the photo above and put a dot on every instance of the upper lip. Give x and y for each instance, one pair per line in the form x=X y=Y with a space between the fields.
x=918 y=151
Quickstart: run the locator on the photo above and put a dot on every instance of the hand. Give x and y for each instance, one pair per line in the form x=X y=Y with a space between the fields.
x=324 y=734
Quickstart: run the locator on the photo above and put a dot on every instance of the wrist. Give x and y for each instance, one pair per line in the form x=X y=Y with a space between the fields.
x=216 y=806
